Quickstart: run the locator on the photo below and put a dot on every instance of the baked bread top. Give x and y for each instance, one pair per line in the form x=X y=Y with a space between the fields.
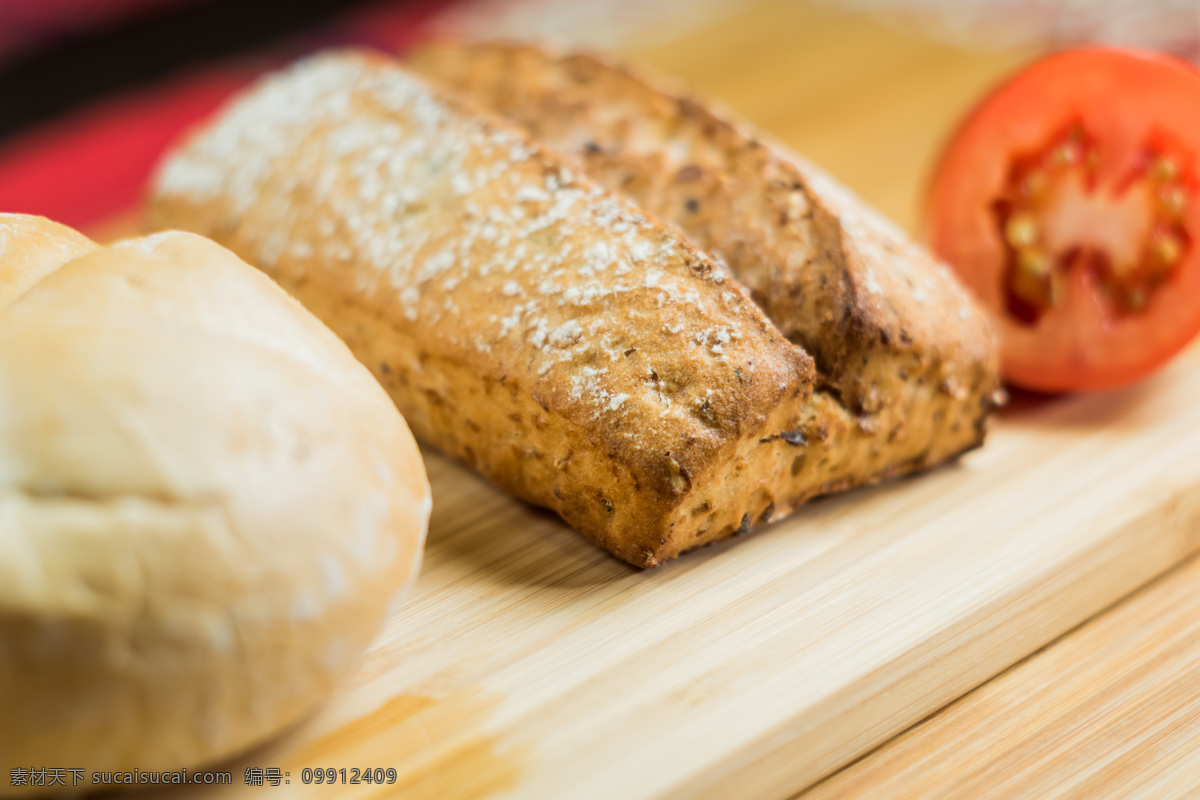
x=871 y=307
x=206 y=504
x=574 y=348
x=348 y=173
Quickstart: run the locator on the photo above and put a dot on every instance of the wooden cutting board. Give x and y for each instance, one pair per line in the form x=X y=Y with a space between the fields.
x=1107 y=712
x=529 y=664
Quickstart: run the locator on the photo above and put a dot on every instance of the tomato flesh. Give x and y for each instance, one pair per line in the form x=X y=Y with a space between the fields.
x=1055 y=218
x=1067 y=201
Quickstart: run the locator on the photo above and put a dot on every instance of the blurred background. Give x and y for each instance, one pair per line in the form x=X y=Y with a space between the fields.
x=92 y=91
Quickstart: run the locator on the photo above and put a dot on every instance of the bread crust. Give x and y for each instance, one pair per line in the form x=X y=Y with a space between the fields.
x=902 y=352
x=206 y=504
x=581 y=354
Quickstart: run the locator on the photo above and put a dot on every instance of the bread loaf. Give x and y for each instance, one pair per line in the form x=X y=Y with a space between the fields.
x=906 y=363
x=206 y=504
x=580 y=353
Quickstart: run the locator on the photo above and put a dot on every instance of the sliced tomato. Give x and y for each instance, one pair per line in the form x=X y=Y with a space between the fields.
x=1069 y=201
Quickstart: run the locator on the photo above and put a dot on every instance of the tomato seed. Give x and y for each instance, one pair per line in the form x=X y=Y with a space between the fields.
x=1164 y=169
x=1174 y=199
x=1167 y=248
x=1021 y=230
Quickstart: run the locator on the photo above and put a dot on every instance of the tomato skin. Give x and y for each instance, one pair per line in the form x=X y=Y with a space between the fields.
x=1125 y=100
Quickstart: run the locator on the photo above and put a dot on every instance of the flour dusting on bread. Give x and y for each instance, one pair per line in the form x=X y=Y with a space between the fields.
x=529 y=318
x=557 y=252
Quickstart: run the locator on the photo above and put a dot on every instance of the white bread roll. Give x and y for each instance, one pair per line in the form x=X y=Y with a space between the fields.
x=206 y=503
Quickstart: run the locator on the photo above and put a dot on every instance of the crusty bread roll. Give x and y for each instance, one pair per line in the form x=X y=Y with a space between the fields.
x=907 y=369
x=206 y=504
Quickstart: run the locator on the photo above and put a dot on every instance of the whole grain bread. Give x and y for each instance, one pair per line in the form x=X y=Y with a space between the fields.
x=907 y=370
x=542 y=329
x=581 y=354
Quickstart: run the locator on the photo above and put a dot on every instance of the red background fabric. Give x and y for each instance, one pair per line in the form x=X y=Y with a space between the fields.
x=93 y=163
x=25 y=24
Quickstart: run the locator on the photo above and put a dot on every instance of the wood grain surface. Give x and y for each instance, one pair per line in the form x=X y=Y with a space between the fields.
x=1110 y=711
x=529 y=664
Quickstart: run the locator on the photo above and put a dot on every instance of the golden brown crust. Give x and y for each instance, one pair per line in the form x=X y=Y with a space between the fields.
x=897 y=342
x=818 y=260
x=585 y=357
x=581 y=355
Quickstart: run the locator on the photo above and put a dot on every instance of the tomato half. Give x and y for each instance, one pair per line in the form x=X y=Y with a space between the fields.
x=1068 y=201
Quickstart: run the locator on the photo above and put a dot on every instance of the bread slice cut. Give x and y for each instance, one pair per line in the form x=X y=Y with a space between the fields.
x=907 y=371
